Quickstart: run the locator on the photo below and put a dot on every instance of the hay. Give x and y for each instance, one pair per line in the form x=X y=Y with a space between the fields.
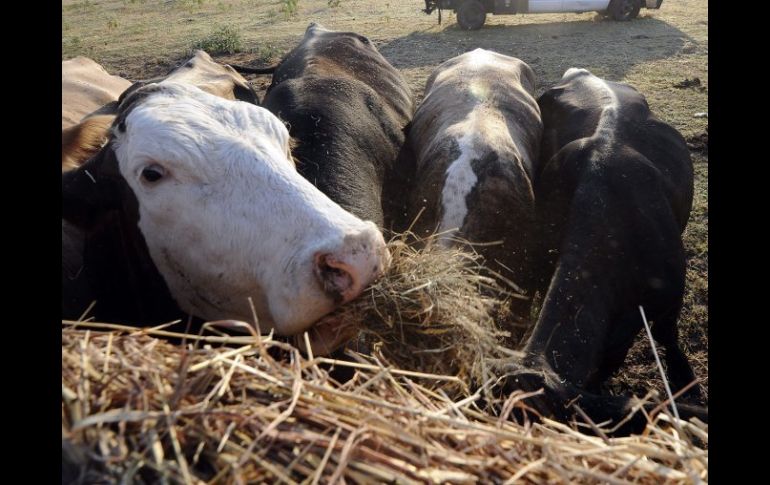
x=137 y=409
x=252 y=409
x=434 y=310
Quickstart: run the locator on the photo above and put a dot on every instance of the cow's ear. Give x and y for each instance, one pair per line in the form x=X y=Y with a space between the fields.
x=91 y=191
x=135 y=87
x=245 y=93
x=242 y=90
x=130 y=90
x=84 y=140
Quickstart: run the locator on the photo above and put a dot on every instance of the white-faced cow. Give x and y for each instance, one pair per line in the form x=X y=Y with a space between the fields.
x=476 y=140
x=90 y=97
x=195 y=205
x=613 y=197
x=346 y=107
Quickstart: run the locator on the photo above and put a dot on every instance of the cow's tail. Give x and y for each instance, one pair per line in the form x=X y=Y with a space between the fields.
x=254 y=70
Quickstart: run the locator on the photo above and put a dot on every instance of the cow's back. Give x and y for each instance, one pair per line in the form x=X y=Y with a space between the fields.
x=576 y=109
x=501 y=97
x=343 y=147
x=86 y=88
x=476 y=140
x=346 y=55
x=613 y=197
x=346 y=107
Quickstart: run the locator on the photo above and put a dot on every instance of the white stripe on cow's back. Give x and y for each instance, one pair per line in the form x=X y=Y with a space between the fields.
x=605 y=128
x=481 y=56
x=608 y=119
x=460 y=180
x=484 y=126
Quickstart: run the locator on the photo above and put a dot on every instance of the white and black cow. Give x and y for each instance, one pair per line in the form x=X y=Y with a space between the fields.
x=613 y=197
x=194 y=206
x=346 y=107
x=476 y=139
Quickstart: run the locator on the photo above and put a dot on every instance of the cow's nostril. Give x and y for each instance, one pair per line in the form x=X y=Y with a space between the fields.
x=336 y=277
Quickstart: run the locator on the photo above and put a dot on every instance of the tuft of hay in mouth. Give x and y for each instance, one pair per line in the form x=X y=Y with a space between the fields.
x=434 y=310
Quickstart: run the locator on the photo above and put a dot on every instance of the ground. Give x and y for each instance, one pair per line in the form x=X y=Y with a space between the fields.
x=138 y=39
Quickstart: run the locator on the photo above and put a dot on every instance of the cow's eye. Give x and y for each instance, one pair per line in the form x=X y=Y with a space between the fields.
x=153 y=173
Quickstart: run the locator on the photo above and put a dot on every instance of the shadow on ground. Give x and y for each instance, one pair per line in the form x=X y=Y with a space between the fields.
x=549 y=48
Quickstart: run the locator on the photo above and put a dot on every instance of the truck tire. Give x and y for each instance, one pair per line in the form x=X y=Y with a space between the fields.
x=623 y=10
x=471 y=15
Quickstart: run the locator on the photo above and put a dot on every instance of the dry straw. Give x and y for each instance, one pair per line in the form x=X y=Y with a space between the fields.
x=138 y=409
x=435 y=310
x=250 y=409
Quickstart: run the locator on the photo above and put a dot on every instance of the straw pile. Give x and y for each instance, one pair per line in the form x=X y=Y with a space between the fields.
x=434 y=310
x=137 y=409
x=251 y=409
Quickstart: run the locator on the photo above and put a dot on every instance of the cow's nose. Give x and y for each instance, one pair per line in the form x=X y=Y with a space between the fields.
x=346 y=271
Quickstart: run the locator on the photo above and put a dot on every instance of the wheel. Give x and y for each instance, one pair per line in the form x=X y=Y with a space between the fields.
x=471 y=15
x=623 y=10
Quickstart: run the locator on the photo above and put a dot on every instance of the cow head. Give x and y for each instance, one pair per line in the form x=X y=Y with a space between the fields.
x=203 y=72
x=223 y=212
x=214 y=78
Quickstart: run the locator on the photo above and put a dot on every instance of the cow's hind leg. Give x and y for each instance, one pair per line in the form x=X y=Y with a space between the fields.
x=619 y=342
x=665 y=332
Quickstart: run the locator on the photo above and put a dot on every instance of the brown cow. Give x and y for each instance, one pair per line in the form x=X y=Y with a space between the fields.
x=89 y=101
x=87 y=89
x=214 y=78
x=90 y=97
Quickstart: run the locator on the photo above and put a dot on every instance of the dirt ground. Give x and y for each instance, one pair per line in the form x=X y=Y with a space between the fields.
x=660 y=53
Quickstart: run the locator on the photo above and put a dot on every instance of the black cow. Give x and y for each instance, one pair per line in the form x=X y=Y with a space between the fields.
x=613 y=196
x=346 y=107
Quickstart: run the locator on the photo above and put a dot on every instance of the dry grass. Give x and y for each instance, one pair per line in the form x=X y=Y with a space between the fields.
x=140 y=410
x=434 y=310
x=219 y=408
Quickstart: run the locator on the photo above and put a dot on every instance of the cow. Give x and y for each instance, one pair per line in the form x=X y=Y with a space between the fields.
x=194 y=206
x=210 y=76
x=476 y=140
x=90 y=98
x=347 y=108
x=613 y=196
x=87 y=89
